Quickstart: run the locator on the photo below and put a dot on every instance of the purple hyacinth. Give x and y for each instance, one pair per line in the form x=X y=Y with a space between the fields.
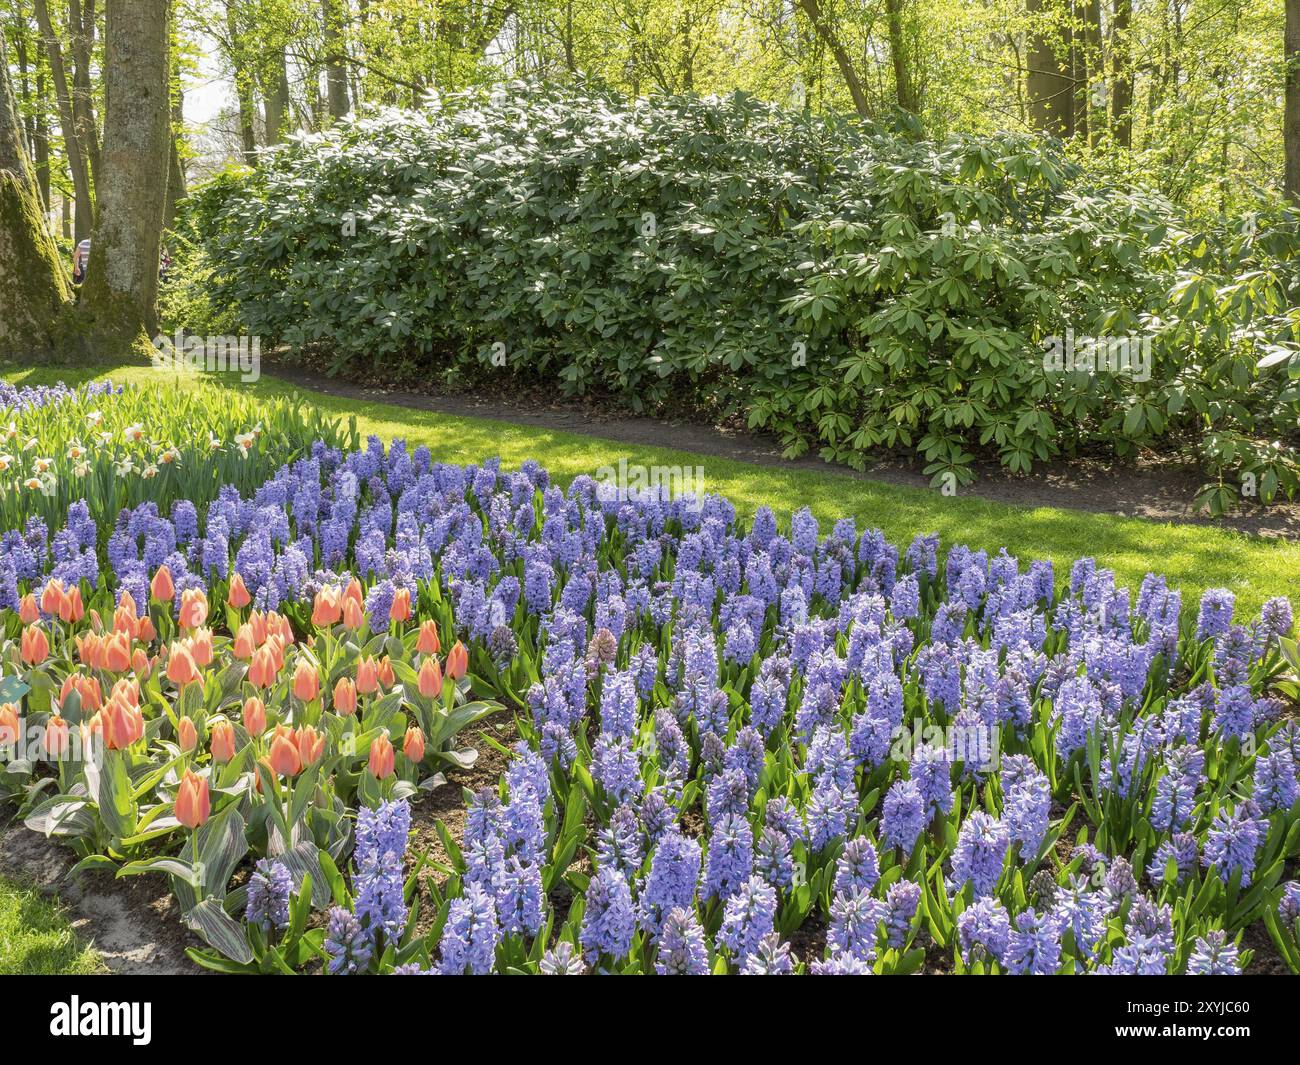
x=681 y=946
x=903 y=815
x=980 y=852
x=609 y=918
x=469 y=938
x=749 y=917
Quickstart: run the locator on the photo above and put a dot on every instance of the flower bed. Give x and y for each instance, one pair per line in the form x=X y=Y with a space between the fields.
x=740 y=750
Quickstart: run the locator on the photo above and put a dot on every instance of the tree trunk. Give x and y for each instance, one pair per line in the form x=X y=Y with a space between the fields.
x=33 y=289
x=904 y=87
x=826 y=34
x=1121 y=50
x=276 y=93
x=243 y=86
x=81 y=39
x=1091 y=89
x=1291 y=120
x=122 y=276
x=1048 y=83
x=175 y=171
x=336 y=78
x=41 y=142
x=84 y=219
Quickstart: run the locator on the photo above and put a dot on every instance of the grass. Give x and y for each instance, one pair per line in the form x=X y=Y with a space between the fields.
x=36 y=939
x=1192 y=557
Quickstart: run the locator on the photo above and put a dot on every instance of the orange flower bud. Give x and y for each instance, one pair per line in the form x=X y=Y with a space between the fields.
x=386 y=677
x=181 y=669
x=244 y=644
x=306 y=682
x=345 y=697
x=117 y=653
x=457 y=661
x=257 y=626
x=284 y=758
x=262 y=671
x=126 y=601
x=8 y=725
x=430 y=678
x=353 y=592
x=56 y=736
x=354 y=615
x=193 y=804
x=200 y=648
x=428 y=642
x=51 y=597
x=72 y=609
x=326 y=610
x=382 y=757
x=401 y=608
x=194 y=608
x=35 y=647
x=367 y=675
x=141 y=664
x=413 y=745
x=254 y=716
x=187 y=736
x=311 y=745
x=221 y=740
x=144 y=630
x=28 y=611
x=238 y=596
x=162 y=589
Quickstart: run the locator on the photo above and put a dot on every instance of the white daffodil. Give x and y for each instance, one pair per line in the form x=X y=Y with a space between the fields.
x=76 y=452
x=133 y=433
x=94 y=418
x=43 y=465
x=149 y=472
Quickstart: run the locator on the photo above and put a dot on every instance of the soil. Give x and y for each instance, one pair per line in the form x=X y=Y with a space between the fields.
x=1151 y=487
x=134 y=924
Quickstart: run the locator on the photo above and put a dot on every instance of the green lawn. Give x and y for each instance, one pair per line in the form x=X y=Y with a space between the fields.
x=35 y=939
x=1192 y=557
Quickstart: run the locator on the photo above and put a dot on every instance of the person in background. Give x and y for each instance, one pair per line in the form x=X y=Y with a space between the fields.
x=80 y=257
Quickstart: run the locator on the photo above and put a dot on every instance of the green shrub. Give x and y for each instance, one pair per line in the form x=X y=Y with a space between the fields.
x=848 y=287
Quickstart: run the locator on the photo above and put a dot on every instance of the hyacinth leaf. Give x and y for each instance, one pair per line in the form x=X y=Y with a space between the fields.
x=220 y=931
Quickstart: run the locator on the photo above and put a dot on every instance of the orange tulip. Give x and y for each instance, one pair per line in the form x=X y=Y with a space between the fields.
x=277 y=625
x=144 y=630
x=87 y=689
x=244 y=644
x=354 y=615
x=193 y=804
x=238 y=596
x=306 y=682
x=187 y=736
x=8 y=725
x=125 y=621
x=72 y=609
x=254 y=716
x=311 y=745
x=141 y=663
x=90 y=649
x=284 y=758
x=261 y=671
x=345 y=697
x=257 y=626
x=200 y=648
x=430 y=678
x=35 y=647
x=386 y=677
x=274 y=646
x=457 y=661
x=122 y=723
x=117 y=653
x=162 y=589
x=221 y=740
x=382 y=757
x=401 y=608
x=127 y=689
x=326 y=610
x=194 y=608
x=51 y=597
x=28 y=611
x=353 y=592
x=413 y=745
x=56 y=736
x=367 y=675
x=181 y=669
x=127 y=601
x=428 y=642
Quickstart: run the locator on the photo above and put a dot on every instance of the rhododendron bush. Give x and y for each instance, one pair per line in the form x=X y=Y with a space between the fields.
x=743 y=746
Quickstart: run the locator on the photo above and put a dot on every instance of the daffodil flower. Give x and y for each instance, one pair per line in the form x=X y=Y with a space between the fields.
x=133 y=433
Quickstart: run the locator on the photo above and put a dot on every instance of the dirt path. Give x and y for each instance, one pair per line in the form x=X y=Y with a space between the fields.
x=1153 y=489
x=133 y=924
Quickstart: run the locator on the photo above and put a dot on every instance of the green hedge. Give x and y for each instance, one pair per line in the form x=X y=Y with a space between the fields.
x=849 y=287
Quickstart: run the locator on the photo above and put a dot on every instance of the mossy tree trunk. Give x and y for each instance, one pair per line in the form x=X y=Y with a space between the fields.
x=121 y=286
x=33 y=289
